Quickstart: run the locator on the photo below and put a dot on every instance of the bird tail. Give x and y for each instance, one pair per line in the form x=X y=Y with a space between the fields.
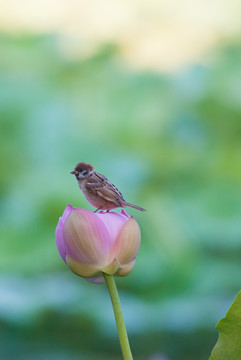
x=135 y=206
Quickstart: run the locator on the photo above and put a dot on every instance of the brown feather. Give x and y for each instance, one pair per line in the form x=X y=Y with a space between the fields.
x=82 y=165
x=101 y=186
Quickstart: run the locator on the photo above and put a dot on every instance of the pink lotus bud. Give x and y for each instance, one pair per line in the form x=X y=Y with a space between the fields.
x=92 y=243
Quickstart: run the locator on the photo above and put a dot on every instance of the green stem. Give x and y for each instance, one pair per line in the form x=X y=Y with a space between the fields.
x=124 y=342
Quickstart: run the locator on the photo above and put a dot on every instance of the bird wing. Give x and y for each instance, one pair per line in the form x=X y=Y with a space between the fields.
x=101 y=187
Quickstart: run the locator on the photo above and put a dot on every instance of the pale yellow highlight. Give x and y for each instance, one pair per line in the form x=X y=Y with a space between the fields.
x=126 y=269
x=82 y=269
x=158 y=34
x=111 y=268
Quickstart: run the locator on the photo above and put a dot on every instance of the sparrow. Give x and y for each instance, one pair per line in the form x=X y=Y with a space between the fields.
x=98 y=190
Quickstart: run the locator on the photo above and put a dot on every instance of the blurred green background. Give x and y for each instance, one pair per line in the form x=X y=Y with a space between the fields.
x=170 y=141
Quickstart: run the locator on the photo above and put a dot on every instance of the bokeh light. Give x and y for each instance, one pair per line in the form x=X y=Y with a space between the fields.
x=149 y=93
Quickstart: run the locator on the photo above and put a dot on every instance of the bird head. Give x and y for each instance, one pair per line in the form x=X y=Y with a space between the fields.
x=82 y=170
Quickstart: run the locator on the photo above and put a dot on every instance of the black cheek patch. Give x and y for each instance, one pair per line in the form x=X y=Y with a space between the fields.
x=85 y=172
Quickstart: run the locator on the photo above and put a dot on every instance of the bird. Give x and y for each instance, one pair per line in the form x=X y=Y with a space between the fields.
x=98 y=190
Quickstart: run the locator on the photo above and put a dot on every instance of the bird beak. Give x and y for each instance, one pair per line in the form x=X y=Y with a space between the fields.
x=74 y=172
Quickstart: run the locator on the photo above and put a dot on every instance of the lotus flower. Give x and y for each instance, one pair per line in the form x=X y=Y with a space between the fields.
x=92 y=244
